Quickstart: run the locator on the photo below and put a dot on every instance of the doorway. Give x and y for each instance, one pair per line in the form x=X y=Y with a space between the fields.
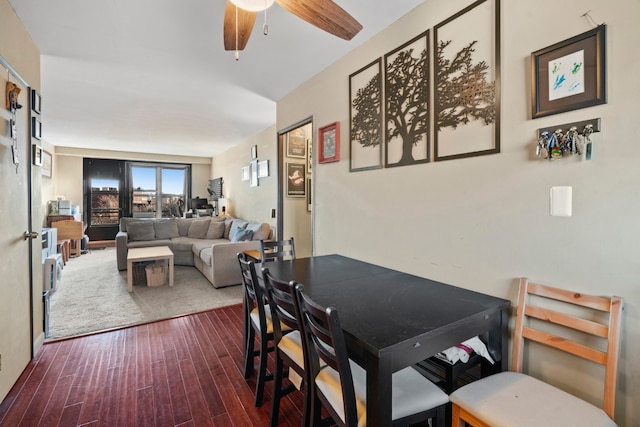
x=295 y=186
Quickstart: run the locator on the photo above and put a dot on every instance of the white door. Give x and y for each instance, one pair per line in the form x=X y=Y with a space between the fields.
x=16 y=291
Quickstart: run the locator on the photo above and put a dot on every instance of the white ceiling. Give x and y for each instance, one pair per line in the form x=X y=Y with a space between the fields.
x=152 y=76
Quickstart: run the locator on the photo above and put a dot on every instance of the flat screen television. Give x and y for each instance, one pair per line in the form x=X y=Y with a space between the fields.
x=199 y=203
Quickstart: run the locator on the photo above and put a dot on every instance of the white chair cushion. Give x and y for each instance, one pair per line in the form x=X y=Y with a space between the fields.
x=411 y=392
x=291 y=345
x=514 y=399
x=255 y=319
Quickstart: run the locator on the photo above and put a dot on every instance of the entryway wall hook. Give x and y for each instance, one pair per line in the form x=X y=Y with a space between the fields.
x=566 y=139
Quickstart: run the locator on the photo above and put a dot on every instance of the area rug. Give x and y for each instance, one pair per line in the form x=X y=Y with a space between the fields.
x=92 y=296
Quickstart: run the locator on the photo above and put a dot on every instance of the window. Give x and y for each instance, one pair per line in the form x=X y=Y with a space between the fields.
x=105 y=202
x=158 y=191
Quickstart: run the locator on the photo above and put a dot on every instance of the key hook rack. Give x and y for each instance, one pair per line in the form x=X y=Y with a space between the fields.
x=567 y=139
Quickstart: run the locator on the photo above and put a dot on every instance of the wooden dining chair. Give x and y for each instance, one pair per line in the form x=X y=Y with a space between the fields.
x=514 y=398
x=289 y=350
x=339 y=384
x=256 y=321
x=277 y=250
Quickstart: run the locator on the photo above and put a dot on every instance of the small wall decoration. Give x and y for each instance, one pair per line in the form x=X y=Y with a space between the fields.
x=309 y=206
x=47 y=162
x=310 y=156
x=329 y=143
x=296 y=180
x=467 y=82
x=297 y=143
x=36 y=154
x=36 y=102
x=407 y=112
x=263 y=169
x=365 y=117
x=36 y=128
x=245 y=173
x=569 y=75
x=254 y=152
x=253 y=173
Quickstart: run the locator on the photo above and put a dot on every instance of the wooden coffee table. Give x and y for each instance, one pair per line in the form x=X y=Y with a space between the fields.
x=155 y=253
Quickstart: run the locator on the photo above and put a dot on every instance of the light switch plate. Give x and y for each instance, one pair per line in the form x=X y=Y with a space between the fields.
x=560 y=201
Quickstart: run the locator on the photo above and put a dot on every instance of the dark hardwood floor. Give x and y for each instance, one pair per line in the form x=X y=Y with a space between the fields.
x=179 y=372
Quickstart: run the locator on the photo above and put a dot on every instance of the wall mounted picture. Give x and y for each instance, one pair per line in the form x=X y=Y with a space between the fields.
x=467 y=82
x=309 y=156
x=309 y=206
x=36 y=128
x=245 y=173
x=36 y=154
x=36 y=102
x=253 y=173
x=569 y=75
x=329 y=143
x=407 y=111
x=263 y=169
x=47 y=164
x=297 y=144
x=296 y=180
x=365 y=118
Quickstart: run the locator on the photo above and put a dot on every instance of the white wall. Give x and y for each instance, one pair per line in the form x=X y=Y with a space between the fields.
x=249 y=203
x=482 y=222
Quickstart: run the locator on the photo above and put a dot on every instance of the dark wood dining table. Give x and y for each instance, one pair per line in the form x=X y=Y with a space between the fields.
x=392 y=320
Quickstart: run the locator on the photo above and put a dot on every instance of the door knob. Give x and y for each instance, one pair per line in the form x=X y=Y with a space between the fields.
x=30 y=235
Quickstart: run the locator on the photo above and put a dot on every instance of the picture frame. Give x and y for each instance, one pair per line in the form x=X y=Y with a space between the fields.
x=254 y=152
x=297 y=144
x=47 y=163
x=36 y=102
x=296 y=180
x=365 y=118
x=329 y=143
x=467 y=82
x=309 y=201
x=245 y=173
x=309 y=156
x=36 y=154
x=263 y=169
x=253 y=173
x=407 y=93
x=569 y=75
x=36 y=128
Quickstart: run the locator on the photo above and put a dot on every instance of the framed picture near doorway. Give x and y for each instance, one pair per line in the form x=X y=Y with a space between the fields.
x=47 y=162
x=296 y=180
x=329 y=138
x=297 y=144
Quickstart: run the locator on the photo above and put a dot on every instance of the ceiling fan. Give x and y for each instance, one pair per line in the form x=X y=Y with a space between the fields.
x=240 y=15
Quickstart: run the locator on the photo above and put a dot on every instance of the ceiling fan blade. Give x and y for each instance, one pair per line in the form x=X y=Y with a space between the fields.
x=324 y=14
x=246 y=20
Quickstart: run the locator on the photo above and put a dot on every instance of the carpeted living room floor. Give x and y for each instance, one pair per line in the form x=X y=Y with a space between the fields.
x=92 y=296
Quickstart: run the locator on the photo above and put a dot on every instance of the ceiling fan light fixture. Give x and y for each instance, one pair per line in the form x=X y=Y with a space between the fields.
x=253 y=5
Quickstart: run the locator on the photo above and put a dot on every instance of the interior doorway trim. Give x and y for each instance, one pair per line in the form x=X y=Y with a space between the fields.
x=281 y=166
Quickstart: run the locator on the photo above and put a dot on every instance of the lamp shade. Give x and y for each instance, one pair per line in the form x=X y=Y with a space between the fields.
x=253 y=5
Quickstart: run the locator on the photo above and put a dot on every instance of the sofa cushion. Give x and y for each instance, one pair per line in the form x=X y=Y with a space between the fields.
x=241 y=235
x=261 y=231
x=183 y=244
x=141 y=230
x=198 y=228
x=206 y=255
x=166 y=228
x=228 y=221
x=216 y=230
x=149 y=243
x=183 y=226
x=237 y=224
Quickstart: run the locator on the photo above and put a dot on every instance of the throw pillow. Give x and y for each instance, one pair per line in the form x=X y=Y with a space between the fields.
x=237 y=224
x=242 y=234
x=227 y=226
x=198 y=228
x=261 y=231
x=141 y=230
x=166 y=228
x=216 y=230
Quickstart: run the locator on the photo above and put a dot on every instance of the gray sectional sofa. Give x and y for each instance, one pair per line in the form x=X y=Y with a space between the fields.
x=210 y=244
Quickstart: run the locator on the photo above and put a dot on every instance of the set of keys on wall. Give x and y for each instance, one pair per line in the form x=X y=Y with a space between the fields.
x=558 y=144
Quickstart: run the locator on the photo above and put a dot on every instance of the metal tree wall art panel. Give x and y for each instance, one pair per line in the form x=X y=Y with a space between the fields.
x=365 y=118
x=467 y=82
x=407 y=112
